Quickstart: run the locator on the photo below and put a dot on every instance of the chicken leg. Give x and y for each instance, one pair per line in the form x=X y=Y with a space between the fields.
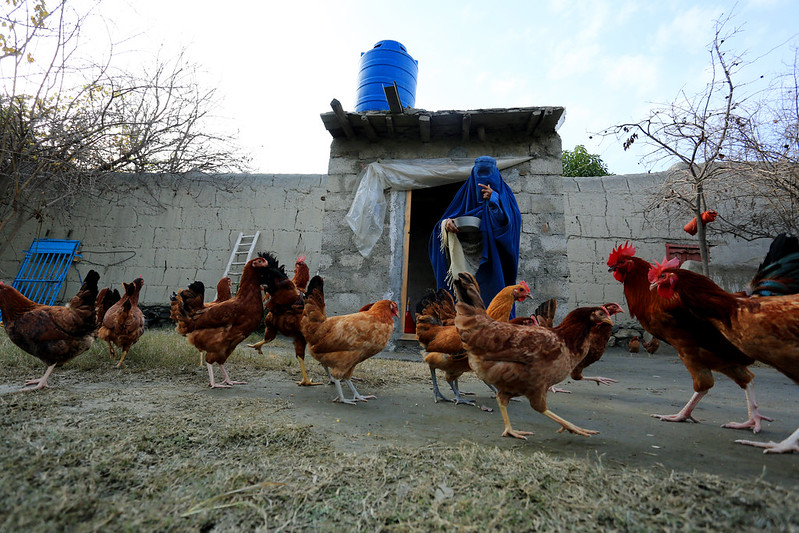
x=791 y=444
x=568 y=426
x=306 y=381
x=224 y=384
x=754 y=415
x=124 y=353
x=509 y=431
x=40 y=383
x=685 y=413
x=458 y=399
x=436 y=391
x=356 y=395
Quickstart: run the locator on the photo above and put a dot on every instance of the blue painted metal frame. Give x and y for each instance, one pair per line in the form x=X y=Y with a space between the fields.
x=44 y=269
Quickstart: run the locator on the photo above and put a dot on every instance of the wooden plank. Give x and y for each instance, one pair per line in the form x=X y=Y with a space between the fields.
x=369 y=129
x=390 y=126
x=536 y=117
x=406 y=243
x=393 y=98
x=342 y=119
x=466 y=125
x=424 y=128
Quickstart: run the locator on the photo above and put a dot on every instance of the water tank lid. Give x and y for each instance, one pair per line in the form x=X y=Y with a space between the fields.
x=389 y=45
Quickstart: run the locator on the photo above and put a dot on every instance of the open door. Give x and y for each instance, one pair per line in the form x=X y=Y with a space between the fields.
x=424 y=207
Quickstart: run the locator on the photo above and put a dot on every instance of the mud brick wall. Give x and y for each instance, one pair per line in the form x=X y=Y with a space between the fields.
x=172 y=232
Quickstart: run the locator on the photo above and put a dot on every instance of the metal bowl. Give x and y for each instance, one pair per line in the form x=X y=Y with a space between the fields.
x=467 y=224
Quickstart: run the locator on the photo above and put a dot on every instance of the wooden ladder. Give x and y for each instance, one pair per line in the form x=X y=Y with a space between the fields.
x=241 y=254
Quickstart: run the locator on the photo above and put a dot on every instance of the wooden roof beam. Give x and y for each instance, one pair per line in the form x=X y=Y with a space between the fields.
x=535 y=120
x=424 y=128
x=342 y=118
x=390 y=126
x=369 y=129
x=466 y=125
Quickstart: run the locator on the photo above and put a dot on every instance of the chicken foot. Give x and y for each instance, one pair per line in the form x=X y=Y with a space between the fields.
x=436 y=391
x=306 y=381
x=568 y=426
x=600 y=380
x=754 y=415
x=509 y=431
x=224 y=384
x=458 y=399
x=791 y=444
x=685 y=413
x=356 y=396
x=453 y=385
x=257 y=345
x=40 y=383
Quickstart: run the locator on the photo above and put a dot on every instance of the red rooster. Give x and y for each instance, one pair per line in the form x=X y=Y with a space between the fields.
x=702 y=348
x=765 y=328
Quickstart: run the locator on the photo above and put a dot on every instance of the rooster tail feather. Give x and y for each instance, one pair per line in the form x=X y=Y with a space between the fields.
x=91 y=280
x=198 y=287
x=467 y=292
x=316 y=285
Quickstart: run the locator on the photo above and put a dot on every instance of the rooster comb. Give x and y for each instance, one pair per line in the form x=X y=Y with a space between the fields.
x=658 y=268
x=301 y=259
x=525 y=286
x=622 y=250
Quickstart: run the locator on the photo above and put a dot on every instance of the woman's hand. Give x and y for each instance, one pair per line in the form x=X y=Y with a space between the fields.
x=486 y=191
x=450 y=226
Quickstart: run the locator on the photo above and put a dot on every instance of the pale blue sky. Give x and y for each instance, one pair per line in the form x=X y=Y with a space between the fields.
x=278 y=65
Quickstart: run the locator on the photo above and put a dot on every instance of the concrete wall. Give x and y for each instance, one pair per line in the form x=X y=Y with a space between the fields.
x=173 y=232
x=602 y=213
x=355 y=280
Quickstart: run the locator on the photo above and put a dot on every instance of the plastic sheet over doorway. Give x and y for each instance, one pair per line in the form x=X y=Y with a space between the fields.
x=367 y=213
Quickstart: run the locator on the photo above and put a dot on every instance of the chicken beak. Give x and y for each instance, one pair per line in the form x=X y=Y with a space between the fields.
x=653 y=285
x=606 y=319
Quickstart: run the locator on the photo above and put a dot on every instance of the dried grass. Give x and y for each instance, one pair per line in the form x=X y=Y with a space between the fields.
x=159 y=457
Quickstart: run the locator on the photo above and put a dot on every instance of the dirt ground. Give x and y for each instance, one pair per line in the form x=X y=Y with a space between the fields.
x=627 y=434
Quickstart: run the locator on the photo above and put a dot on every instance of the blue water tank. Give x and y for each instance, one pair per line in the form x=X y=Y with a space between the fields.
x=386 y=63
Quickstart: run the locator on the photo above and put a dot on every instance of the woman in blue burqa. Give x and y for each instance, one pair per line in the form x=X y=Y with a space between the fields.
x=491 y=254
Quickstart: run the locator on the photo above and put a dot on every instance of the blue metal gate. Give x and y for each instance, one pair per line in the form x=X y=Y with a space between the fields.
x=44 y=269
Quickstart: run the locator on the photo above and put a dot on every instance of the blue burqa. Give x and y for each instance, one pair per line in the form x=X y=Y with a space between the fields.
x=500 y=226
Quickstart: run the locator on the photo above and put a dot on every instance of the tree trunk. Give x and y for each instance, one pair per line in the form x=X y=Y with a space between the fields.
x=700 y=233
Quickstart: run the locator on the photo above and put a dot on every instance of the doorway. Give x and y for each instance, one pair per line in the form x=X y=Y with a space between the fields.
x=427 y=207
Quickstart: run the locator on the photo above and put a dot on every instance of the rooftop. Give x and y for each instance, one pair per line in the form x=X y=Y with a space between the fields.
x=420 y=124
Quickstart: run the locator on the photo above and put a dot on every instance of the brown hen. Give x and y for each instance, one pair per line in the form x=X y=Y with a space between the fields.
x=216 y=330
x=123 y=322
x=54 y=334
x=523 y=360
x=441 y=342
x=340 y=343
